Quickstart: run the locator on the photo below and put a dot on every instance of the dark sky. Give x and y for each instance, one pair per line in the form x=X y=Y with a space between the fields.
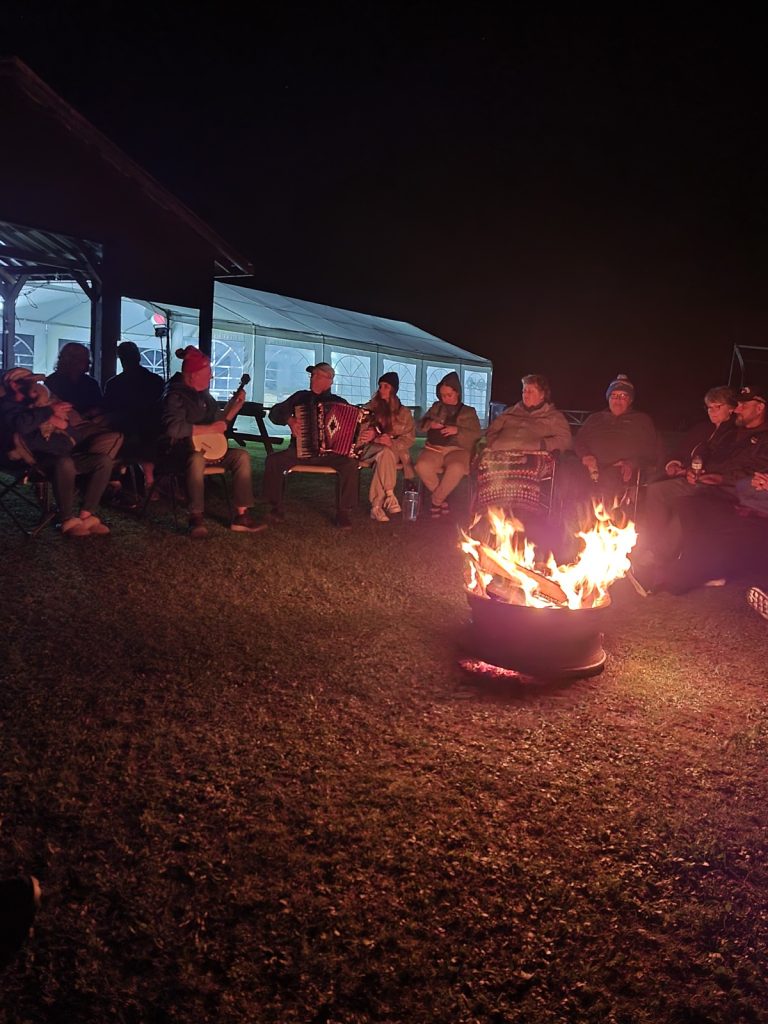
x=565 y=194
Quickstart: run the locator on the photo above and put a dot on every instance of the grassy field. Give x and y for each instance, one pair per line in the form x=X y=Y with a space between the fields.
x=257 y=784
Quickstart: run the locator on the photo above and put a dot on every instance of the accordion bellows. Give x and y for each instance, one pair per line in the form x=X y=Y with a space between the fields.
x=513 y=480
x=328 y=428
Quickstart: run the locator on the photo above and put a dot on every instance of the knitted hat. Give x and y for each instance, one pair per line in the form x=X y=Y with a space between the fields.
x=622 y=383
x=392 y=379
x=192 y=359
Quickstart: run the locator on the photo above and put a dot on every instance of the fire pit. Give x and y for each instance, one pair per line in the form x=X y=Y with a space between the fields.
x=535 y=616
x=552 y=643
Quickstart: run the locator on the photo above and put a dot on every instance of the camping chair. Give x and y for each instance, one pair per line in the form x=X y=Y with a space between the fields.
x=515 y=481
x=25 y=484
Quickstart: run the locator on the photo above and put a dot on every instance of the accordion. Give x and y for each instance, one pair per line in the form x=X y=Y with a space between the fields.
x=330 y=428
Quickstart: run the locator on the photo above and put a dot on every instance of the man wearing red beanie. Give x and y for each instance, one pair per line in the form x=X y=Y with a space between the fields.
x=188 y=411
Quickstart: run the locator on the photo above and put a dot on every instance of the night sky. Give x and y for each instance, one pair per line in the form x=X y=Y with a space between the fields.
x=570 y=195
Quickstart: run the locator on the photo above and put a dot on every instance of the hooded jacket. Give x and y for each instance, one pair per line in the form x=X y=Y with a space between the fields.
x=461 y=416
x=530 y=430
x=184 y=408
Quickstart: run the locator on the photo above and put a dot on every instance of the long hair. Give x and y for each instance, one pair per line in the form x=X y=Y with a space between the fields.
x=384 y=411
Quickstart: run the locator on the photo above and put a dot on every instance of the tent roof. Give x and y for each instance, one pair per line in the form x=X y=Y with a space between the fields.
x=277 y=315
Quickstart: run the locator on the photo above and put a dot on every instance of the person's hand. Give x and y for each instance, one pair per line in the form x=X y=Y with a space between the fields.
x=449 y=431
x=238 y=401
x=367 y=435
x=760 y=481
x=293 y=426
x=626 y=468
x=674 y=468
x=59 y=422
x=709 y=479
x=217 y=427
x=385 y=440
x=61 y=409
x=434 y=424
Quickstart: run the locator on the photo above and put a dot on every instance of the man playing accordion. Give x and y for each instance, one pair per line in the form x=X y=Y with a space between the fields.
x=285 y=414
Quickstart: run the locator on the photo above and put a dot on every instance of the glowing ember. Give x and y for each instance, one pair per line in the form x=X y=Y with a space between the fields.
x=507 y=568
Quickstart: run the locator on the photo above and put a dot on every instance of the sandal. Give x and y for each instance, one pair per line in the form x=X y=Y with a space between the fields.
x=436 y=511
x=444 y=509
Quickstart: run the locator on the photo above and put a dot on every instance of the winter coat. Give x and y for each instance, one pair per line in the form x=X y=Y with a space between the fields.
x=530 y=430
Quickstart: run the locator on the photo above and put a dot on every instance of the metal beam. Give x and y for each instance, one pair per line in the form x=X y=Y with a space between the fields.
x=10 y=294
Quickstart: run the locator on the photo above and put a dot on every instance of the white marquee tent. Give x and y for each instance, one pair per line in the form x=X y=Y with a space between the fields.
x=270 y=337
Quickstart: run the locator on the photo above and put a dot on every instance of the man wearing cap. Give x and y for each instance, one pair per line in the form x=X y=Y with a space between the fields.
x=284 y=414
x=189 y=410
x=614 y=443
x=42 y=434
x=694 y=502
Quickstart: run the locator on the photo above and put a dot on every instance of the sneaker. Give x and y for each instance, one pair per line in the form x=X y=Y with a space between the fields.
x=378 y=513
x=343 y=520
x=74 y=527
x=95 y=526
x=197 y=528
x=757 y=599
x=392 y=505
x=244 y=524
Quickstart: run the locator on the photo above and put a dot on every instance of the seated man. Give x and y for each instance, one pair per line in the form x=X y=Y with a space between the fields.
x=284 y=414
x=70 y=382
x=531 y=425
x=615 y=443
x=132 y=402
x=703 y=496
x=189 y=411
x=41 y=429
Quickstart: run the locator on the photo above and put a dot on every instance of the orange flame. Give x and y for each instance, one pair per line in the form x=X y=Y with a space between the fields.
x=509 y=557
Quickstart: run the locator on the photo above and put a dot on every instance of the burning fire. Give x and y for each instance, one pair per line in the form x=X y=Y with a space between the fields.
x=507 y=567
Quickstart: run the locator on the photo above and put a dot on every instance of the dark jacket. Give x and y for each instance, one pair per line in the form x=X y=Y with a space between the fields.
x=748 y=455
x=461 y=416
x=132 y=402
x=84 y=393
x=282 y=412
x=611 y=438
x=183 y=408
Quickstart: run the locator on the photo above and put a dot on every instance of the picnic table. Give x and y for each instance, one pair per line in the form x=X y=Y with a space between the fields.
x=258 y=412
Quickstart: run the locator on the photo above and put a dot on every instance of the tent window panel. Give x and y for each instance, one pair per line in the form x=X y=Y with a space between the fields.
x=353 y=377
x=476 y=392
x=285 y=371
x=433 y=377
x=407 y=374
x=152 y=359
x=226 y=366
x=24 y=351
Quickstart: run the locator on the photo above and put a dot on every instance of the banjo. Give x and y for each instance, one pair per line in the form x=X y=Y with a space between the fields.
x=214 y=446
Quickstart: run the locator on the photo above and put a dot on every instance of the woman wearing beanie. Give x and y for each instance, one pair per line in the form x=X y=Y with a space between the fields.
x=452 y=430
x=395 y=433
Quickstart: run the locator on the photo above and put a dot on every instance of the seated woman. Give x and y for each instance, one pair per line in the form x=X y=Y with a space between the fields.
x=395 y=433
x=710 y=441
x=452 y=430
x=531 y=425
x=517 y=459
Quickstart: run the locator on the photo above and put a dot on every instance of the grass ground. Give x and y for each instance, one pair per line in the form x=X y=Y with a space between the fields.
x=257 y=785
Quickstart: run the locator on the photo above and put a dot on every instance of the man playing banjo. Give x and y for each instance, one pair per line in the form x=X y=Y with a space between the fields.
x=192 y=425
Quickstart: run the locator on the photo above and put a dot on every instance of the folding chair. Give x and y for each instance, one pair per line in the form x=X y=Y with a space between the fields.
x=21 y=475
x=322 y=471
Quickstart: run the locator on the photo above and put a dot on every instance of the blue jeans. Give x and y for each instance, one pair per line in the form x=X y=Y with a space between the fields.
x=751 y=498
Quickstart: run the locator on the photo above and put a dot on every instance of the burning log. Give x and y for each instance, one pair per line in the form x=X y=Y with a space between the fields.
x=492 y=562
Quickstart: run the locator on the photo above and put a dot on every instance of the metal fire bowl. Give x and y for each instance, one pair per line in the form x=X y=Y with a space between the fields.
x=551 y=643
